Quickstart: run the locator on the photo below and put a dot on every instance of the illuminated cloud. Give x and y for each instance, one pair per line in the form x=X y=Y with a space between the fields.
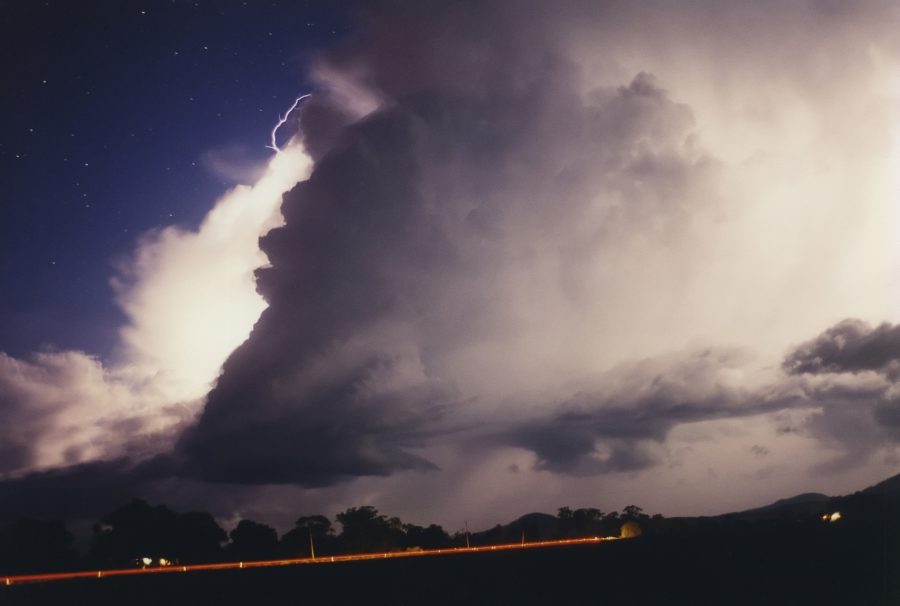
x=233 y=164
x=189 y=295
x=543 y=242
x=549 y=232
x=190 y=300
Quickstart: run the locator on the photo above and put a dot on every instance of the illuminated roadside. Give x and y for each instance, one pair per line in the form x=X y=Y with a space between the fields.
x=99 y=574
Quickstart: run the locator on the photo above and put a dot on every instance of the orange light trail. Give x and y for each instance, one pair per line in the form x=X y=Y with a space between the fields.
x=99 y=574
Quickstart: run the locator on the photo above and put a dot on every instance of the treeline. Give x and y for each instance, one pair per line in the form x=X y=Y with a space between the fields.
x=138 y=534
x=572 y=523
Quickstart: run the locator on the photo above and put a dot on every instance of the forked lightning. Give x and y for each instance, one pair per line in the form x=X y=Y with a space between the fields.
x=273 y=144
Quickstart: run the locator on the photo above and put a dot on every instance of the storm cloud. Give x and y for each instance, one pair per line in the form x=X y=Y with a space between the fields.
x=76 y=492
x=852 y=371
x=489 y=229
x=442 y=227
x=850 y=346
x=543 y=241
x=617 y=426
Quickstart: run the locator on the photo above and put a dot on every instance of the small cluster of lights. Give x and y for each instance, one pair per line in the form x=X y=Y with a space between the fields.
x=146 y=562
x=831 y=517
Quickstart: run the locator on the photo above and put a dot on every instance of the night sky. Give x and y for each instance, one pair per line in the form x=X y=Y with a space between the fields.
x=509 y=256
x=115 y=115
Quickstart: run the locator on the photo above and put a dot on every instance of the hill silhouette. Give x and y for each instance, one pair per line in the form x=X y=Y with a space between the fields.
x=889 y=487
x=806 y=503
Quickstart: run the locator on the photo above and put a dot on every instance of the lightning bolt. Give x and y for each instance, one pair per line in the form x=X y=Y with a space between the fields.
x=273 y=144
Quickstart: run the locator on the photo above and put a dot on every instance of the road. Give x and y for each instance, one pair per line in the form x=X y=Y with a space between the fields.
x=175 y=569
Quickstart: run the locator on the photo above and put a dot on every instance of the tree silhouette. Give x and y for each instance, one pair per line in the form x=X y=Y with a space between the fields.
x=431 y=537
x=30 y=546
x=633 y=512
x=364 y=529
x=253 y=541
x=317 y=525
x=199 y=538
x=566 y=526
x=133 y=531
x=315 y=529
x=586 y=521
x=138 y=530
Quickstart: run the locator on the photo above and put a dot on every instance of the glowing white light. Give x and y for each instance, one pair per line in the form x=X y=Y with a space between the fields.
x=189 y=297
x=194 y=300
x=273 y=145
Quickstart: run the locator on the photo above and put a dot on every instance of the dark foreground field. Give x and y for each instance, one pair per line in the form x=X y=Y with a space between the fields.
x=700 y=563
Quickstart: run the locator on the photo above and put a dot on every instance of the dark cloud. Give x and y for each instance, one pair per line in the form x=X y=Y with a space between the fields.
x=887 y=412
x=849 y=346
x=322 y=124
x=417 y=231
x=579 y=448
x=336 y=427
x=78 y=492
x=614 y=428
x=328 y=386
x=852 y=373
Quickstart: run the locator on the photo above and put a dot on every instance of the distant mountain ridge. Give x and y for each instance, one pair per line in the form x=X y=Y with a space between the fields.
x=812 y=502
x=808 y=502
x=889 y=487
x=534 y=526
x=541 y=526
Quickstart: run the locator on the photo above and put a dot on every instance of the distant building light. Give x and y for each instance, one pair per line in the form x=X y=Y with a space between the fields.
x=831 y=517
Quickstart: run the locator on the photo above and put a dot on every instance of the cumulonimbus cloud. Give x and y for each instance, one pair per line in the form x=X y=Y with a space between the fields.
x=555 y=232
x=409 y=249
x=489 y=222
